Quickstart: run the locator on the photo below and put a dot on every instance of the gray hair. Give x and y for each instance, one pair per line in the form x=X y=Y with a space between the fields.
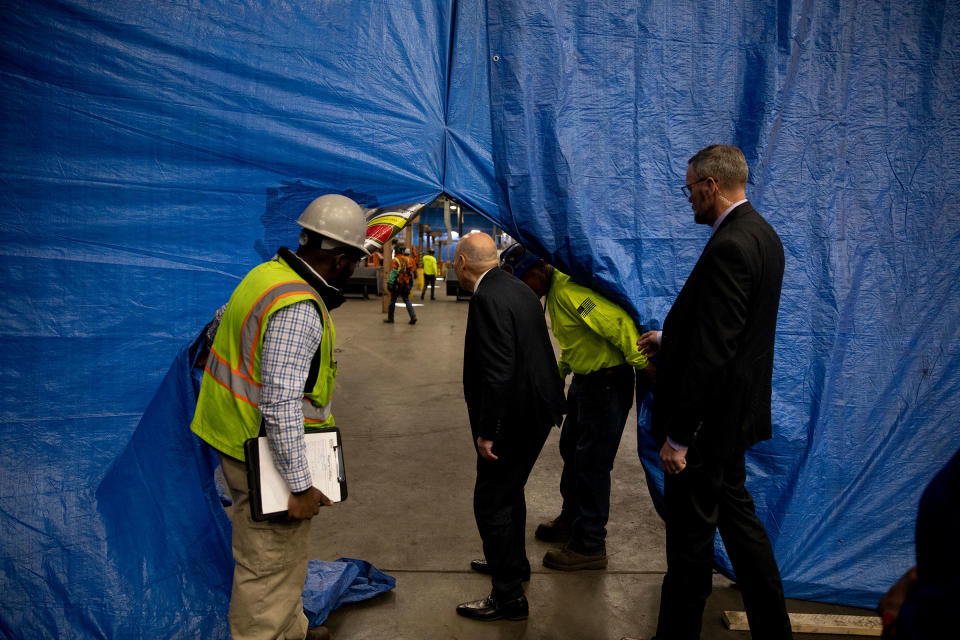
x=723 y=162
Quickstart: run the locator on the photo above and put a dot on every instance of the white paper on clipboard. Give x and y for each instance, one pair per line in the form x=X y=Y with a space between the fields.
x=323 y=459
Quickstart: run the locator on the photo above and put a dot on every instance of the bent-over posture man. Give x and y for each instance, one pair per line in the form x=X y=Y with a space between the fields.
x=272 y=362
x=514 y=396
x=712 y=402
x=598 y=343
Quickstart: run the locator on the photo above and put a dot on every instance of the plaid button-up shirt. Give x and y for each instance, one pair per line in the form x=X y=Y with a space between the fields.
x=291 y=339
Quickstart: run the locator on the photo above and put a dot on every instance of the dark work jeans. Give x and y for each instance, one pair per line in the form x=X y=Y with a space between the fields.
x=429 y=281
x=597 y=408
x=698 y=501
x=501 y=512
x=405 y=296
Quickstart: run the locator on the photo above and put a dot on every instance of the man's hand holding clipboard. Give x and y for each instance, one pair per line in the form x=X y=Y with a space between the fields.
x=307 y=504
x=271 y=499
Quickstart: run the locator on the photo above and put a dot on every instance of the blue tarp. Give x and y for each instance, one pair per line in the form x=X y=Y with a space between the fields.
x=849 y=116
x=154 y=152
x=163 y=537
x=331 y=584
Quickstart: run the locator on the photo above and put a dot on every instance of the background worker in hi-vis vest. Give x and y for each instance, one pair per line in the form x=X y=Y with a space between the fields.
x=272 y=360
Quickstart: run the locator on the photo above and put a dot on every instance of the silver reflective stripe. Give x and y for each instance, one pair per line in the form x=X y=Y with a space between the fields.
x=240 y=386
x=250 y=392
x=313 y=412
x=250 y=333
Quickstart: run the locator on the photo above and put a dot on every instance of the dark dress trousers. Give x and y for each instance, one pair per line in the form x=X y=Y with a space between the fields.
x=514 y=394
x=713 y=395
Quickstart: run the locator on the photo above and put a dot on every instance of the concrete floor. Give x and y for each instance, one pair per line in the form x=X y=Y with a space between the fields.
x=410 y=472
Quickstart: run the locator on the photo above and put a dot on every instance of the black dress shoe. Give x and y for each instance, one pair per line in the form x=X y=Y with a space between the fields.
x=481 y=566
x=490 y=609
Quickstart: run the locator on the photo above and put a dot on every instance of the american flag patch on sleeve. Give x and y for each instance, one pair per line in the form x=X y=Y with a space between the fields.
x=586 y=307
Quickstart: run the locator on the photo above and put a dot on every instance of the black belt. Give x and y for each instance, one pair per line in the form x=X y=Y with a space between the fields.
x=609 y=371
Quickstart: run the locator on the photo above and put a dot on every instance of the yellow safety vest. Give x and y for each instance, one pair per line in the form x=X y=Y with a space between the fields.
x=227 y=409
x=593 y=332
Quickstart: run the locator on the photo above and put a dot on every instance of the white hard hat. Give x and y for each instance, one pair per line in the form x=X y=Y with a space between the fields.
x=338 y=218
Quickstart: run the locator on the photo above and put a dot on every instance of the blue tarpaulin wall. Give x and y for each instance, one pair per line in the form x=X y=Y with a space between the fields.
x=849 y=116
x=154 y=152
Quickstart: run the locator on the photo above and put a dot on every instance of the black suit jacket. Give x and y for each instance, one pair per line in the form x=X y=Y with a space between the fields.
x=510 y=378
x=716 y=353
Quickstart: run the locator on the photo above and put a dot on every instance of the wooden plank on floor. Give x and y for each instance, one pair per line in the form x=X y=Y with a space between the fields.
x=815 y=623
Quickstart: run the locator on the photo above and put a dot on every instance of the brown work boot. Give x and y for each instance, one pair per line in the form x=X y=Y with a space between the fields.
x=556 y=530
x=567 y=559
x=318 y=633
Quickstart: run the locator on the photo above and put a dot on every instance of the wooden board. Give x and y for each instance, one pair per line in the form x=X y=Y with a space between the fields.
x=815 y=623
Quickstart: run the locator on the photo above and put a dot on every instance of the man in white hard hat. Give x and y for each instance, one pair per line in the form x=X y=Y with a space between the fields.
x=271 y=364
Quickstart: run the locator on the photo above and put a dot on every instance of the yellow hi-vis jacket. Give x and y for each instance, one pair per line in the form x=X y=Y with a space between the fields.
x=429 y=265
x=593 y=332
x=227 y=409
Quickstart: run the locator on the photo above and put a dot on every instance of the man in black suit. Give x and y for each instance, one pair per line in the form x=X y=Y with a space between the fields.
x=712 y=402
x=514 y=396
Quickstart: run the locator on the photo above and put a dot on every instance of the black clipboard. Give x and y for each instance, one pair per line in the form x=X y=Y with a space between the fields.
x=266 y=486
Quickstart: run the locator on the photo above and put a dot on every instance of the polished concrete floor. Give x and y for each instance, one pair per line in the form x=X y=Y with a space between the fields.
x=410 y=471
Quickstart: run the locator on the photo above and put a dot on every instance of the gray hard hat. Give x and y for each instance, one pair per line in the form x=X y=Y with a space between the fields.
x=338 y=218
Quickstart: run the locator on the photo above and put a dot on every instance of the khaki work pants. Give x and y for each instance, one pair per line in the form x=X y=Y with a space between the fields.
x=271 y=567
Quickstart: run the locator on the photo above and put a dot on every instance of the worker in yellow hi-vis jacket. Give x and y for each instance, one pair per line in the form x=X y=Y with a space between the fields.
x=272 y=368
x=429 y=274
x=597 y=340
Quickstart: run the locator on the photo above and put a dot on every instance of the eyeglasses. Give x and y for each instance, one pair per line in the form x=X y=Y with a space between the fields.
x=686 y=188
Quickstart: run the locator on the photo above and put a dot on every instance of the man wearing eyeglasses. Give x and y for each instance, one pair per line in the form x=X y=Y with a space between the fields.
x=713 y=402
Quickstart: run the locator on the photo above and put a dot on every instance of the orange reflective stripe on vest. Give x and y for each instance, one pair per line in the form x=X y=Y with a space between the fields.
x=253 y=323
x=239 y=380
x=228 y=411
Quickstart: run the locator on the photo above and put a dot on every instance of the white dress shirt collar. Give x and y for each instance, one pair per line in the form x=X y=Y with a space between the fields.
x=476 y=285
x=716 y=223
